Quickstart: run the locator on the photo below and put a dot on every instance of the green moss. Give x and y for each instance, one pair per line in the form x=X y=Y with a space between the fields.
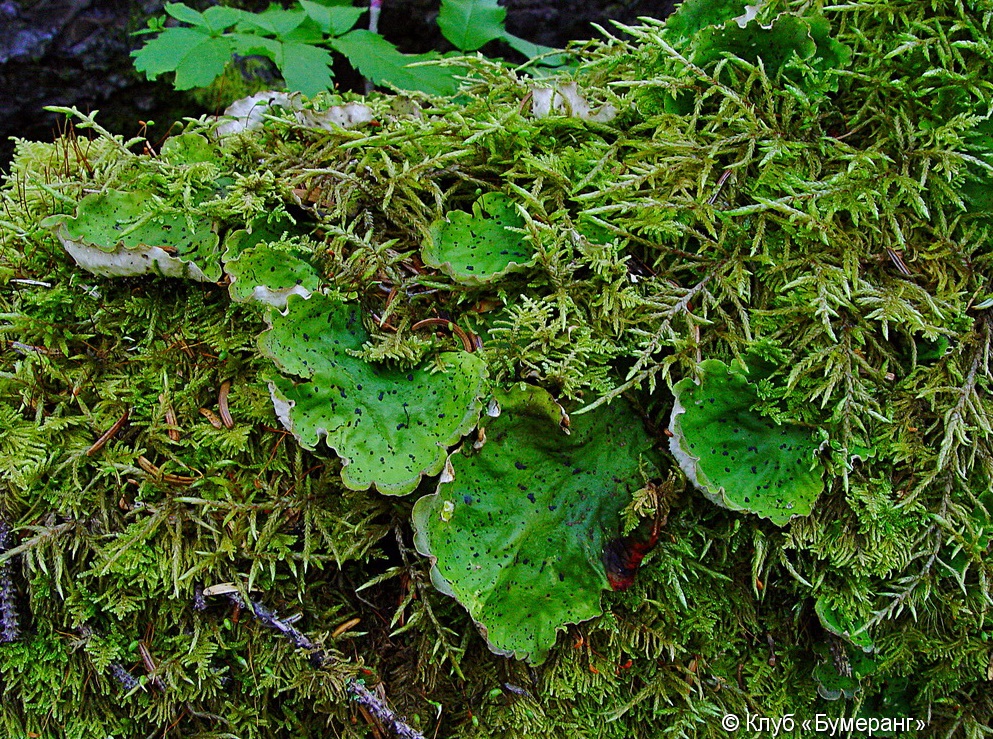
x=838 y=234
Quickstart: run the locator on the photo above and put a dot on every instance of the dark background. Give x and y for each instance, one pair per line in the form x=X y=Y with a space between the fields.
x=76 y=52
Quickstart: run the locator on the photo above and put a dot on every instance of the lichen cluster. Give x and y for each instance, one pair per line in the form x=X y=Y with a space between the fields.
x=799 y=194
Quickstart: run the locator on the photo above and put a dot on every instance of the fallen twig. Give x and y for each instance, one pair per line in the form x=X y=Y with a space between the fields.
x=318 y=657
x=9 y=630
x=222 y=405
x=108 y=434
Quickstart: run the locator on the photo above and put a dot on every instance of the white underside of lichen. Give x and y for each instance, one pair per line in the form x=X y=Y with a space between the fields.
x=276 y=298
x=567 y=100
x=750 y=14
x=122 y=262
x=248 y=114
x=282 y=406
x=690 y=464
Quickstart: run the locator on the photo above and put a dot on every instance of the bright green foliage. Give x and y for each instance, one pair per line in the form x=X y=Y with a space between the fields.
x=480 y=247
x=796 y=44
x=126 y=233
x=389 y=425
x=828 y=232
x=199 y=52
x=471 y=24
x=693 y=16
x=188 y=148
x=379 y=61
x=735 y=456
x=787 y=36
x=707 y=31
x=518 y=536
x=298 y=39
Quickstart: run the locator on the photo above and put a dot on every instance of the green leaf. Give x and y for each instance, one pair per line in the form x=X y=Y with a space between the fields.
x=305 y=68
x=260 y=231
x=220 y=17
x=334 y=20
x=736 y=457
x=378 y=59
x=204 y=64
x=469 y=24
x=196 y=57
x=247 y=44
x=189 y=148
x=531 y=50
x=832 y=685
x=789 y=35
x=390 y=426
x=518 y=536
x=186 y=14
x=273 y=20
x=307 y=32
x=481 y=247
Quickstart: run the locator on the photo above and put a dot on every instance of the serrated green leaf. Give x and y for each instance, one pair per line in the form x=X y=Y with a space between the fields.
x=531 y=50
x=221 y=17
x=480 y=247
x=305 y=68
x=332 y=20
x=307 y=32
x=518 y=536
x=204 y=64
x=469 y=24
x=390 y=426
x=247 y=44
x=379 y=60
x=201 y=56
x=274 y=20
x=186 y=14
x=736 y=457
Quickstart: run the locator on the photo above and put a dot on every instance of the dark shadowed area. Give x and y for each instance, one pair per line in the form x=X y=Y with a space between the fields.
x=76 y=52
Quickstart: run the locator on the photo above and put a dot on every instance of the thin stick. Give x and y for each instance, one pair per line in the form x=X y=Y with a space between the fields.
x=150 y=667
x=170 y=417
x=469 y=344
x=154 y=471
x=222 y=405
x=212 y=417
x=98 y=444
x=9 y=630
x=318 y=657
x=374 y=8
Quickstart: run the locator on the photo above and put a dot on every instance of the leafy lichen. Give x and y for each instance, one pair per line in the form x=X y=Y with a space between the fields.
x=517 y=529
x=391 y=426
x=826 y=218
